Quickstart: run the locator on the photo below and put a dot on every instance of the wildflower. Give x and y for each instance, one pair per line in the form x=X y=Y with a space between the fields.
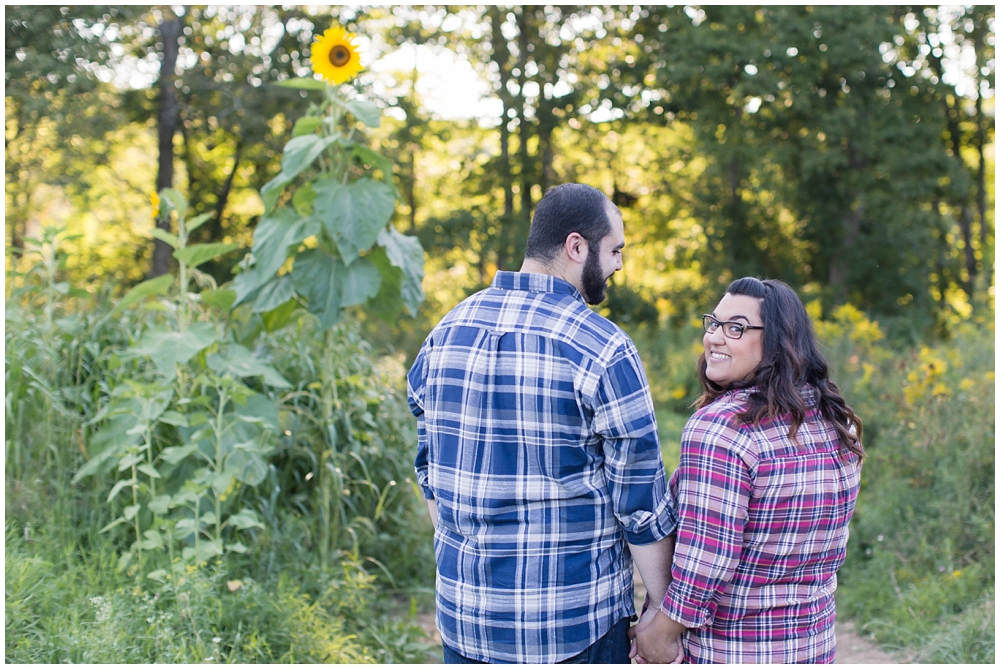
x=334 y=55
x=155 y=199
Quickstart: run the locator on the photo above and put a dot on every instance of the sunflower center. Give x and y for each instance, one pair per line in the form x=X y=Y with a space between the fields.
x=340 y=56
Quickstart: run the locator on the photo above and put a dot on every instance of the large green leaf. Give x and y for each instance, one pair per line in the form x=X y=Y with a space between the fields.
x=157 y=286
x=270 y=191
x=220 y=298
x=260 y=410
x=174 y=454
x=198 y=221
x=274 y=294
x=302 y=83
x=173 y=200
x=245 y=519
x=272 y=237
x=280 y=316
x=379 y=162
x=244 y=323
x=239 y=362
x=248 y=467
x=315 y=276
x=366 y=112
x=152 y=401
x=354 y=214
x=197 y=254
x=247 y=284
x=306 y=125
x=389 y=302
x=300 y=152
x=406 y=253
x=358 y=283
x=164 y=236
x=168 y=349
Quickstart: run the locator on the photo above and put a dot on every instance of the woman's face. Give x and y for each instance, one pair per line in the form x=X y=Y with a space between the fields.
x=732 y=360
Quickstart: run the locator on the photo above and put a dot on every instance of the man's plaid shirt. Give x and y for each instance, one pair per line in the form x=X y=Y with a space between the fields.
x=538 y=441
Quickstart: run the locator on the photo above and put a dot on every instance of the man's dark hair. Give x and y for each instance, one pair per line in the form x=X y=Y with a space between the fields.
x=563 y=210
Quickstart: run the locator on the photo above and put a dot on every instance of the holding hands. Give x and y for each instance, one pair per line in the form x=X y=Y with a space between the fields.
x=656 y=639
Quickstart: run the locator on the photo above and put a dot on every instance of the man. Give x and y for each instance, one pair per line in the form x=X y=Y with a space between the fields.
x=538 y=453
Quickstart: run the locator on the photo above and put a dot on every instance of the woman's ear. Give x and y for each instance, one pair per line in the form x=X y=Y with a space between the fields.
x=576 y=247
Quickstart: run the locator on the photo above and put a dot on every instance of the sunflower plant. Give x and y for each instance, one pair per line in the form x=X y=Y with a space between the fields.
x=325 y=242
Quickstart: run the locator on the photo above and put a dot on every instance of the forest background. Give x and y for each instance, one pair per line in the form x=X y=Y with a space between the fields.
x=846 y=150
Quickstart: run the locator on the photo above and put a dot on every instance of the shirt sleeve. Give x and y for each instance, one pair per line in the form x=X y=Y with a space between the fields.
x=625 y=420
x=415 y=385
x=713 y=487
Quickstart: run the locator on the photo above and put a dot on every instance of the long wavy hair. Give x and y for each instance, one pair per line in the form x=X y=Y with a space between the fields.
x=791 y=359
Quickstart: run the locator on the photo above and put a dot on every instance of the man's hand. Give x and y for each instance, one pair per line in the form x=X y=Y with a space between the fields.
x=657 y=639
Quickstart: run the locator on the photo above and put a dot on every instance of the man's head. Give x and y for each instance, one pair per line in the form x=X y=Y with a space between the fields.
x=577 y=234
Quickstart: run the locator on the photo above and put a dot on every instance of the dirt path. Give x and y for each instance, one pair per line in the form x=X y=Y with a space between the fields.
x=852 y=646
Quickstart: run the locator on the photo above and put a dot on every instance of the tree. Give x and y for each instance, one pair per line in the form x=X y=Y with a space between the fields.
x=58 y=109
x=824 y=156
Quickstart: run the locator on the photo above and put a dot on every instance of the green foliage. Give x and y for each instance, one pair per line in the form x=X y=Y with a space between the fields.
x=201 y=463
x=339 y=216
x=75 y=610
x=922 y=553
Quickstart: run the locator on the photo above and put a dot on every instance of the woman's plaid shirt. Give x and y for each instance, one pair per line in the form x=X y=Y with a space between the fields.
x=762 y=532
x=538 y=441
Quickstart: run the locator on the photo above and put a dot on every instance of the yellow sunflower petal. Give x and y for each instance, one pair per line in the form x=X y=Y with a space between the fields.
x=334 y=55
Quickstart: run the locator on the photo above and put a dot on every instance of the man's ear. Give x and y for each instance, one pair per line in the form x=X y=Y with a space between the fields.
x=576 y=247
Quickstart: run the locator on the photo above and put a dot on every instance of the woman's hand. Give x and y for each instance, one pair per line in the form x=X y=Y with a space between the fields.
x=656 y=639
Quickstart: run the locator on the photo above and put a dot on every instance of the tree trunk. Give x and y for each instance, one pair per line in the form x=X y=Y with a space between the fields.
x=223 y=199
x=981 y=125
x=523 y=130
x=840 y=261
x=951 y=114
x=411 y=196
x=166 y=126
x=501 y=56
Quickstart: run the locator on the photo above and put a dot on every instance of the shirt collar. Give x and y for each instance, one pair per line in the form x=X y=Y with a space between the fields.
x=809 y=394
x=535 y=283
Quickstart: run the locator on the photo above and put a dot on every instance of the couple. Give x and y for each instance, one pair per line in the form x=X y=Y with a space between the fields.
x=540 y=461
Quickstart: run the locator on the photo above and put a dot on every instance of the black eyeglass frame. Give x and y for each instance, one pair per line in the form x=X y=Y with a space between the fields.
x=707 y=319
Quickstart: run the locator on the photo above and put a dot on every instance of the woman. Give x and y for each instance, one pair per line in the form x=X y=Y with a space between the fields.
x=768 y=477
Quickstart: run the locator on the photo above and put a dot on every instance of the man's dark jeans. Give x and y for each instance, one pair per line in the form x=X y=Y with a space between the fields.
x=612 y=648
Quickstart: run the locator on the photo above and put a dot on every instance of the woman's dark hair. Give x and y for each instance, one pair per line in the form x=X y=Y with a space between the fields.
x=565 y=209
x=791 y=359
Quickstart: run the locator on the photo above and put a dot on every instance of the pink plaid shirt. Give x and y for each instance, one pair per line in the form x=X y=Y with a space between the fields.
x=762 y=532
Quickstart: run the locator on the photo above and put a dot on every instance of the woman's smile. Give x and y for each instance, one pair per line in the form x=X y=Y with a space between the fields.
x=730 y=361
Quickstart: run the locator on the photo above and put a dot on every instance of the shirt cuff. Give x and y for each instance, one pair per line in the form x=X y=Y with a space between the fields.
x=646 y=527
x=422 y=482
x=690 y=614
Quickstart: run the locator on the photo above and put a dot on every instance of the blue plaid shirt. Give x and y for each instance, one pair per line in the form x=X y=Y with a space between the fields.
x=537 y=439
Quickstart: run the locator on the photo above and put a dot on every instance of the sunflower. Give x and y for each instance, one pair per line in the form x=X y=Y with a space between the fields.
x=334 y=56
x=155 y=199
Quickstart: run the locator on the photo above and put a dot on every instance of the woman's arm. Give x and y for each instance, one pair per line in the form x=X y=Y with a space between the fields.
x=713 y=494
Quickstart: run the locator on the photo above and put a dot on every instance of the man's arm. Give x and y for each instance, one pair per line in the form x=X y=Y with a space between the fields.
x=655 y=640
x=432 y=508
x=653 y=561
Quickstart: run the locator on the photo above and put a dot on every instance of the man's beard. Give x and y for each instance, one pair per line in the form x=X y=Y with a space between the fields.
x=593 y=279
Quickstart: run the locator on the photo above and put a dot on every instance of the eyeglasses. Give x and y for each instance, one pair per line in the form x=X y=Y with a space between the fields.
x=733 y=329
